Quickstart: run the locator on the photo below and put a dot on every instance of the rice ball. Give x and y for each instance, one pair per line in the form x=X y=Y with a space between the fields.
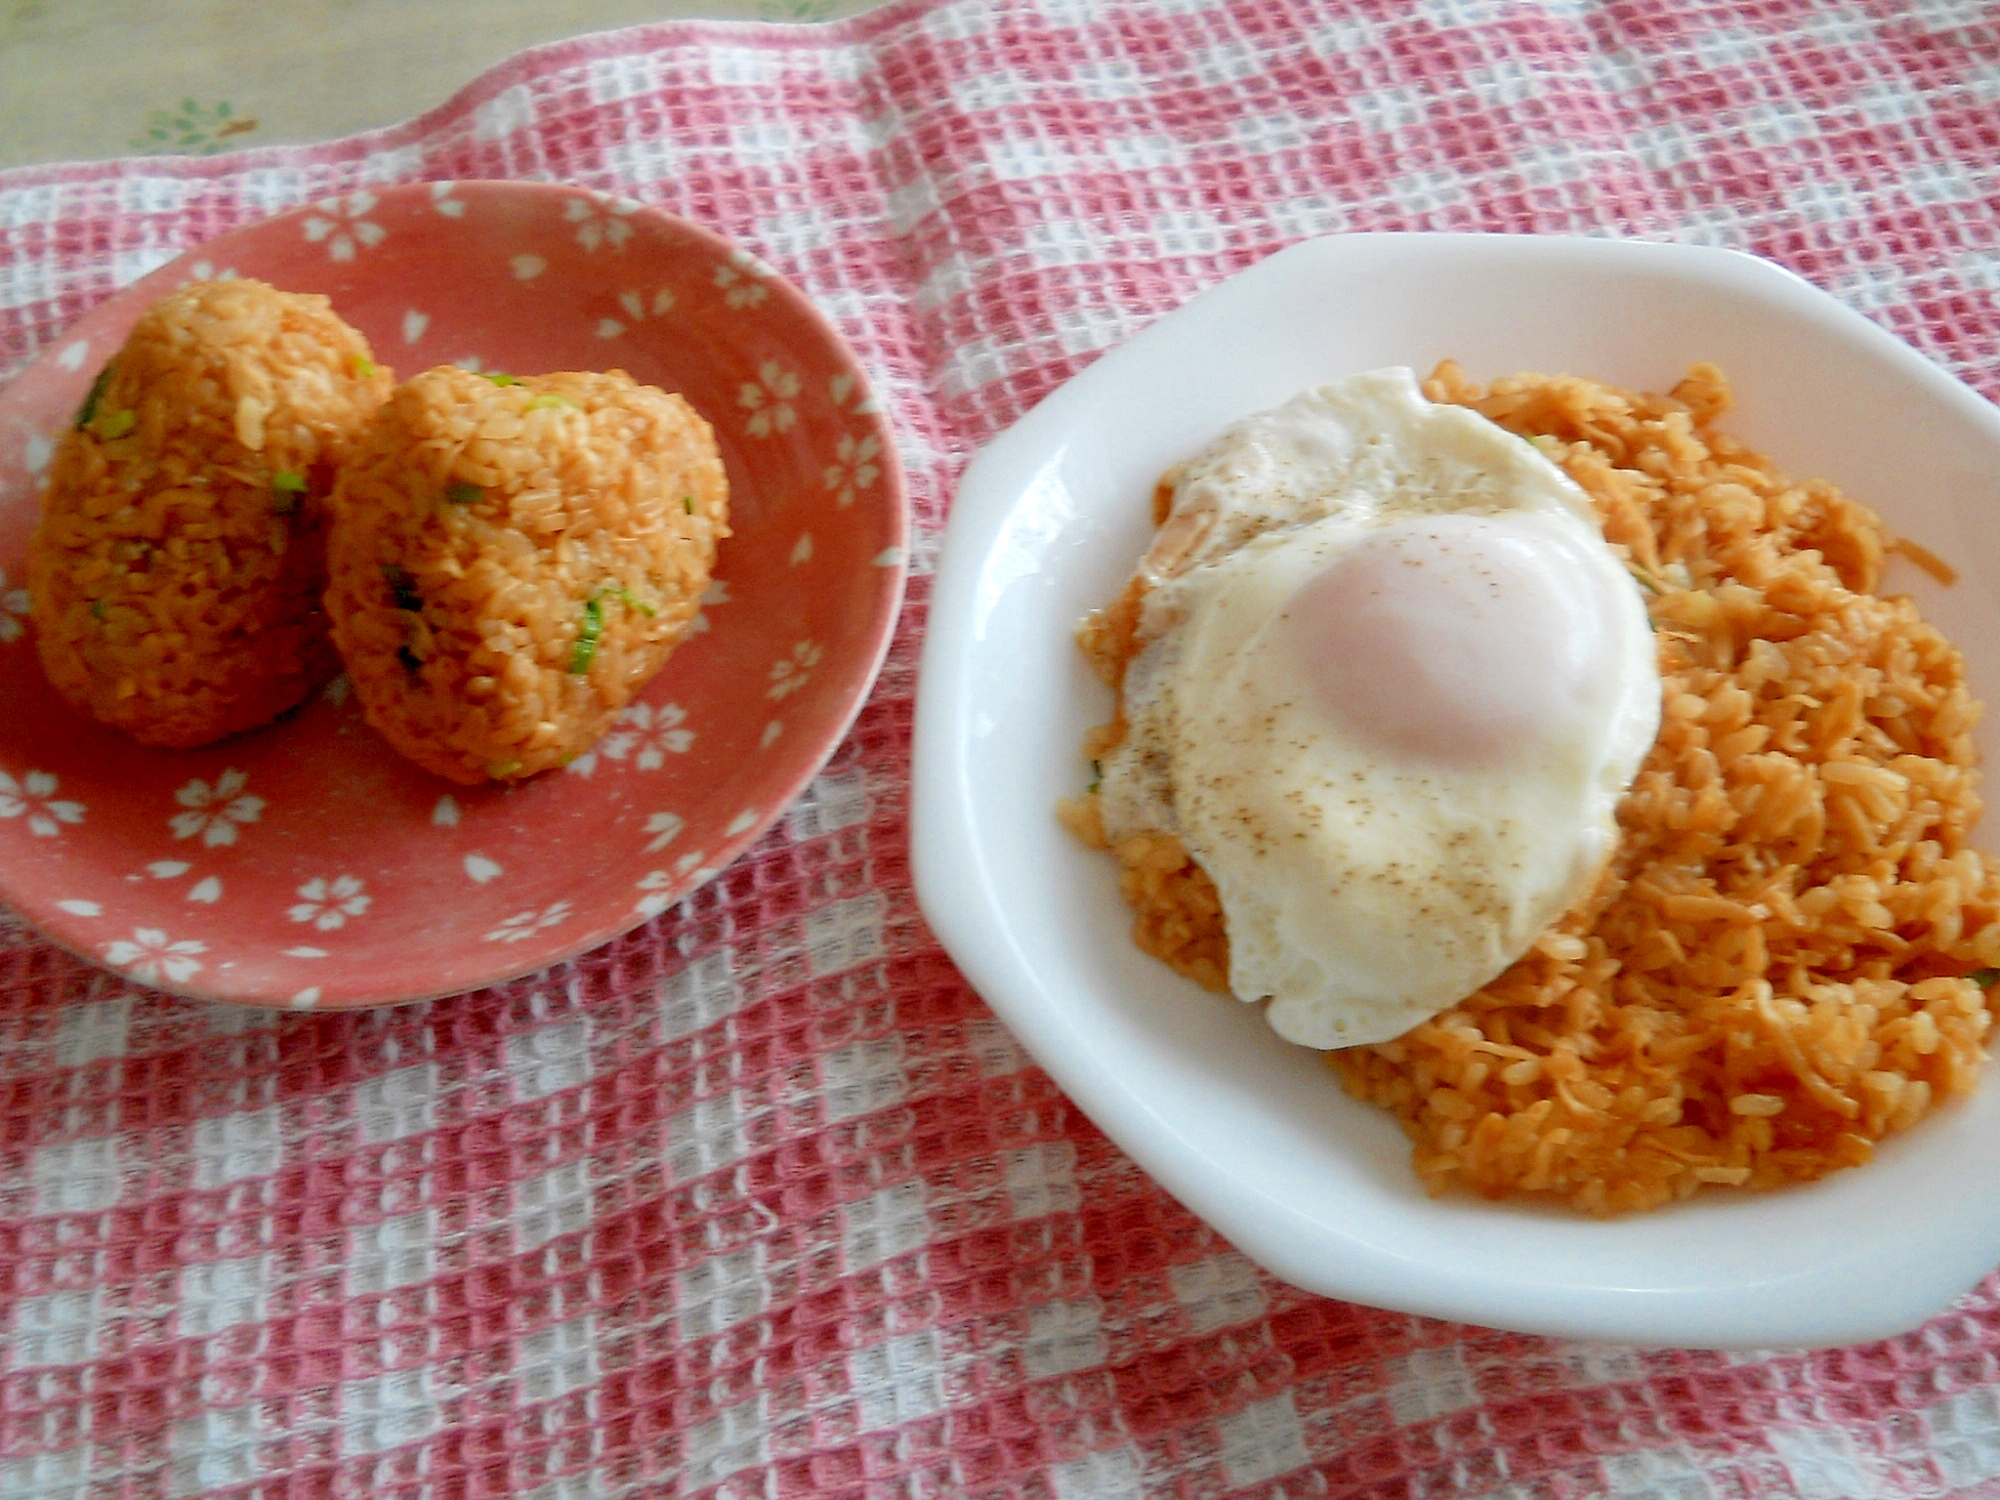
x=510 y=560
x=177 y=567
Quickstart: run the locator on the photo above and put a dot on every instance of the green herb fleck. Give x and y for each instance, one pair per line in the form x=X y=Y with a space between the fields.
x=501 y=378
x=625 y=597
x=548 y=399
x=97 y=609
x=404 y=588
x=115 y=424
x=458 y=492
x=1096 y=777
x=286 y=487
x=687 y=504
x=1984 y=978
x=193 y=129
x=364 y=367
x=88 y=411
x=586 y=638
x=503 y=768
x=412 y=663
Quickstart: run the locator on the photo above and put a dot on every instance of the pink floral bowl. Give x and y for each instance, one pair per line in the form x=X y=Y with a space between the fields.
x=306 y=863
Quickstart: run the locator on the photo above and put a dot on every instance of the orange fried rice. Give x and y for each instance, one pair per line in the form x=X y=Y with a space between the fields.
x=177 y=569
x=512 y=559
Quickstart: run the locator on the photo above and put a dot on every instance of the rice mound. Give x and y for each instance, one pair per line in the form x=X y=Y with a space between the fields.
x=176 y=570
x=511 y=560
x=1784 y=962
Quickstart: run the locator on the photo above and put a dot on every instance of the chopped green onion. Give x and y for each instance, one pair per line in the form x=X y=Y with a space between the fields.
x=586 y=638
x=1096 y=776
x=88 y=411
x=97 y=609
x=116 y=424
x=1984 y=978
x=500 y=378
x=503 y=768
x=404 y=588
x=625 y=597
x=412 y=663
x=687 y=504
x=285 y=487
x=365 y=367
x=1645 y=579
x=546 y=400
x=460 y=493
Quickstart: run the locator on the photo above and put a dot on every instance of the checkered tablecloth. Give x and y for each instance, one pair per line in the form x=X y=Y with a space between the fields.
x=760 y=1199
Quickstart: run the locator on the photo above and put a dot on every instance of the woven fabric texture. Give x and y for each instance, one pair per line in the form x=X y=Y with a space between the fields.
x=760 y=1199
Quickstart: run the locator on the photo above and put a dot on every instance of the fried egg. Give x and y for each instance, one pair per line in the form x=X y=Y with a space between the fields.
x=1394 y=682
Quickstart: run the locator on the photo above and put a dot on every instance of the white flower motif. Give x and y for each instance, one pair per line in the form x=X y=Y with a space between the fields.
x=741 y=280
x=769 y=404
x=718 y=593
x=525 y=924
x=214 y=811
x=665 y=828
x=329 y=903
x=855 y=469
x=789 y=674
x=659 y=886
x=653 y=733
x=151 y=955
x=841 y=386
x=34 y=795
x=204 y=270
x=638 y=307
x=14 y=606
x=600 y=223
x=347 y=226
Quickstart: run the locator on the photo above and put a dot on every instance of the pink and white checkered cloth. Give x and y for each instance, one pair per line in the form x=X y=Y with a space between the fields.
x=760 y=1200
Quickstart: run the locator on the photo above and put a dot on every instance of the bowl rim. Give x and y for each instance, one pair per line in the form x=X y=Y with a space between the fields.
x=957 y=893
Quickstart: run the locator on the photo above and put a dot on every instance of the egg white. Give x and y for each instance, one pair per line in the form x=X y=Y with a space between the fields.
x=1363 y=889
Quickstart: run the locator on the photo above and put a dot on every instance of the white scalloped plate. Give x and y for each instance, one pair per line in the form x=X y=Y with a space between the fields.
x=1252 y=1134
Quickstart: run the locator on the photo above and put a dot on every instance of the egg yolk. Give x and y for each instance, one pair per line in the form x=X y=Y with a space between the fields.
x=1458 y=639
